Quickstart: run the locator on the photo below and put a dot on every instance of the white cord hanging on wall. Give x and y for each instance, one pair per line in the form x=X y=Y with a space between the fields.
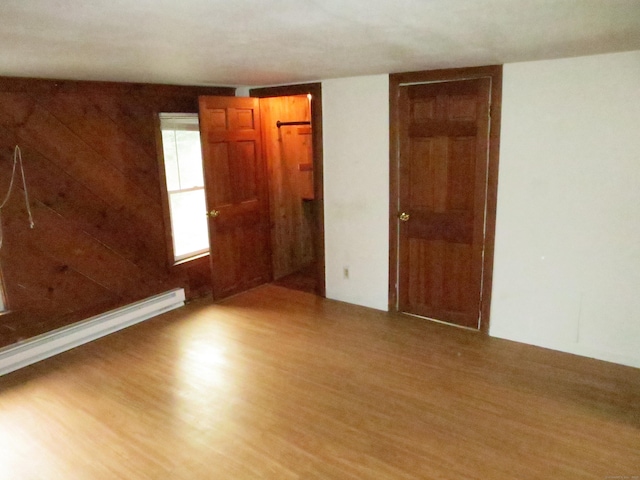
x=17 y=159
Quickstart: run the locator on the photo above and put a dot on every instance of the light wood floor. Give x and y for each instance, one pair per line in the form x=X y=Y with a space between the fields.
x=279 y=384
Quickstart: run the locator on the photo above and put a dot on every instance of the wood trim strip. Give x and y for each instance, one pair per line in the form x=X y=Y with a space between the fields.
x=446 y=74
x=492 y=195
x=49 y=86
x=395 y=82
x=394 y=188
x=166 y=209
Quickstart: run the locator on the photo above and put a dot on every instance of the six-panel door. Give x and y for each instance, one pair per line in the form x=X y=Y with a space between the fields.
x=237 y=195
x=442 y=187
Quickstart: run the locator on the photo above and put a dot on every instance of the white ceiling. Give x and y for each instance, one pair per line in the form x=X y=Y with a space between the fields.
x=267 y=42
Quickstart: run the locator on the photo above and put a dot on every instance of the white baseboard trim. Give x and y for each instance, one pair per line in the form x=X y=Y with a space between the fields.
x=620 y=357
x=14 y=357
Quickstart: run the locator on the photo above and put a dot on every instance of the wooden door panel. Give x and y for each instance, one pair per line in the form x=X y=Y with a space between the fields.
x=463 y=107
x=439 y=286
x=462 y=162
x=245 y=169
x=457 y=296
x=218 y=173
x=216 y=118
x=428 y=174
x=452 y=227
x=424 y=285
x=443 y=177
x=253 y=268
x=443 y=128
x=236 y=187
x=225 y=261
x=244 y=119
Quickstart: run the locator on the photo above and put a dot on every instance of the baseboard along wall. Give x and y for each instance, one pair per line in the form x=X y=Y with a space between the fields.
x=30 y=351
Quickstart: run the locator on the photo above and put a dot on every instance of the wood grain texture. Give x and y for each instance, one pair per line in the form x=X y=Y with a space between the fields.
x=287 y=149
x=315 y=90
x=442 y=185
x=279 y=384
x=421 y=111
x=91 y=162
x=235 y=175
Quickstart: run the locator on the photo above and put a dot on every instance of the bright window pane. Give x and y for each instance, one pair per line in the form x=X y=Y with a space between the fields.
x=189 y=223
x=170 y=159
x=189 y=159
x=185 y=184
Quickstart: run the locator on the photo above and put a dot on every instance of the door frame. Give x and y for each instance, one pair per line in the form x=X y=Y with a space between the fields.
x=315 y=89
x=396 y=81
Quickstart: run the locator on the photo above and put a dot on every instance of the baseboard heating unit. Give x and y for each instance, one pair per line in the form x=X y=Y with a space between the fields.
x=32 y=350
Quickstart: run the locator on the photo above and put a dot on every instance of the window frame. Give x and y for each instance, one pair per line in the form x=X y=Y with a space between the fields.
x=4 y=301
x=166 y=193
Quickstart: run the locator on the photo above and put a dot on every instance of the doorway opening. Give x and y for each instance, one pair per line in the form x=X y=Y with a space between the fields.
x=291 y=118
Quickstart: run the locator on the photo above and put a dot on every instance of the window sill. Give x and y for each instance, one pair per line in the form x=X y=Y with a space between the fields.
x=190 y=259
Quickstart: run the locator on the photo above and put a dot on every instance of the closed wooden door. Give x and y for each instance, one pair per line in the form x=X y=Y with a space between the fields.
x=236 y=192
x=443 y=142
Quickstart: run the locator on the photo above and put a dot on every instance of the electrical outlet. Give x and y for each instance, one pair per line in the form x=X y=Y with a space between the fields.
x=345 y=272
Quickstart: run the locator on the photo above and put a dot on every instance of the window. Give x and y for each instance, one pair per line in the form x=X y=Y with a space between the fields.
x=3 y=301
x=185 y=184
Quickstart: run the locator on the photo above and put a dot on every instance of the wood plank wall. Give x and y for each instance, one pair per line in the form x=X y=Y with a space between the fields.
x=91 y=162
x=289 y=158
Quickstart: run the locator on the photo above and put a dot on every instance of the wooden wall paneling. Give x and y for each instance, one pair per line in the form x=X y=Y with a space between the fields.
x=103 y=135
x=305 y=170
x=41 y=131
x=126 y=113
x=195 y=275
x=136 y=110
x=297 y=144
x=286 y=149
x=77 y=204
x=36 y=276
x=90 y=158
x=75 y=250
x=56 y=270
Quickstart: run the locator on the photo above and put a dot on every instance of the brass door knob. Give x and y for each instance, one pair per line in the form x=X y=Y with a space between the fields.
x=404 y=217
x=213 y=213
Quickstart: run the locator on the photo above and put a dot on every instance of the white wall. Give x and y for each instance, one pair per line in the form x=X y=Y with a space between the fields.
x=356 y=188
x=567 y=258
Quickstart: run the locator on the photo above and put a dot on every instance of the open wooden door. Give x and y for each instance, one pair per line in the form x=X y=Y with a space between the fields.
x=237 y=194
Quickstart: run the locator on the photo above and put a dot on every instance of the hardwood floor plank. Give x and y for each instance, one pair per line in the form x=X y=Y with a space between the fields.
x=276 y=383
